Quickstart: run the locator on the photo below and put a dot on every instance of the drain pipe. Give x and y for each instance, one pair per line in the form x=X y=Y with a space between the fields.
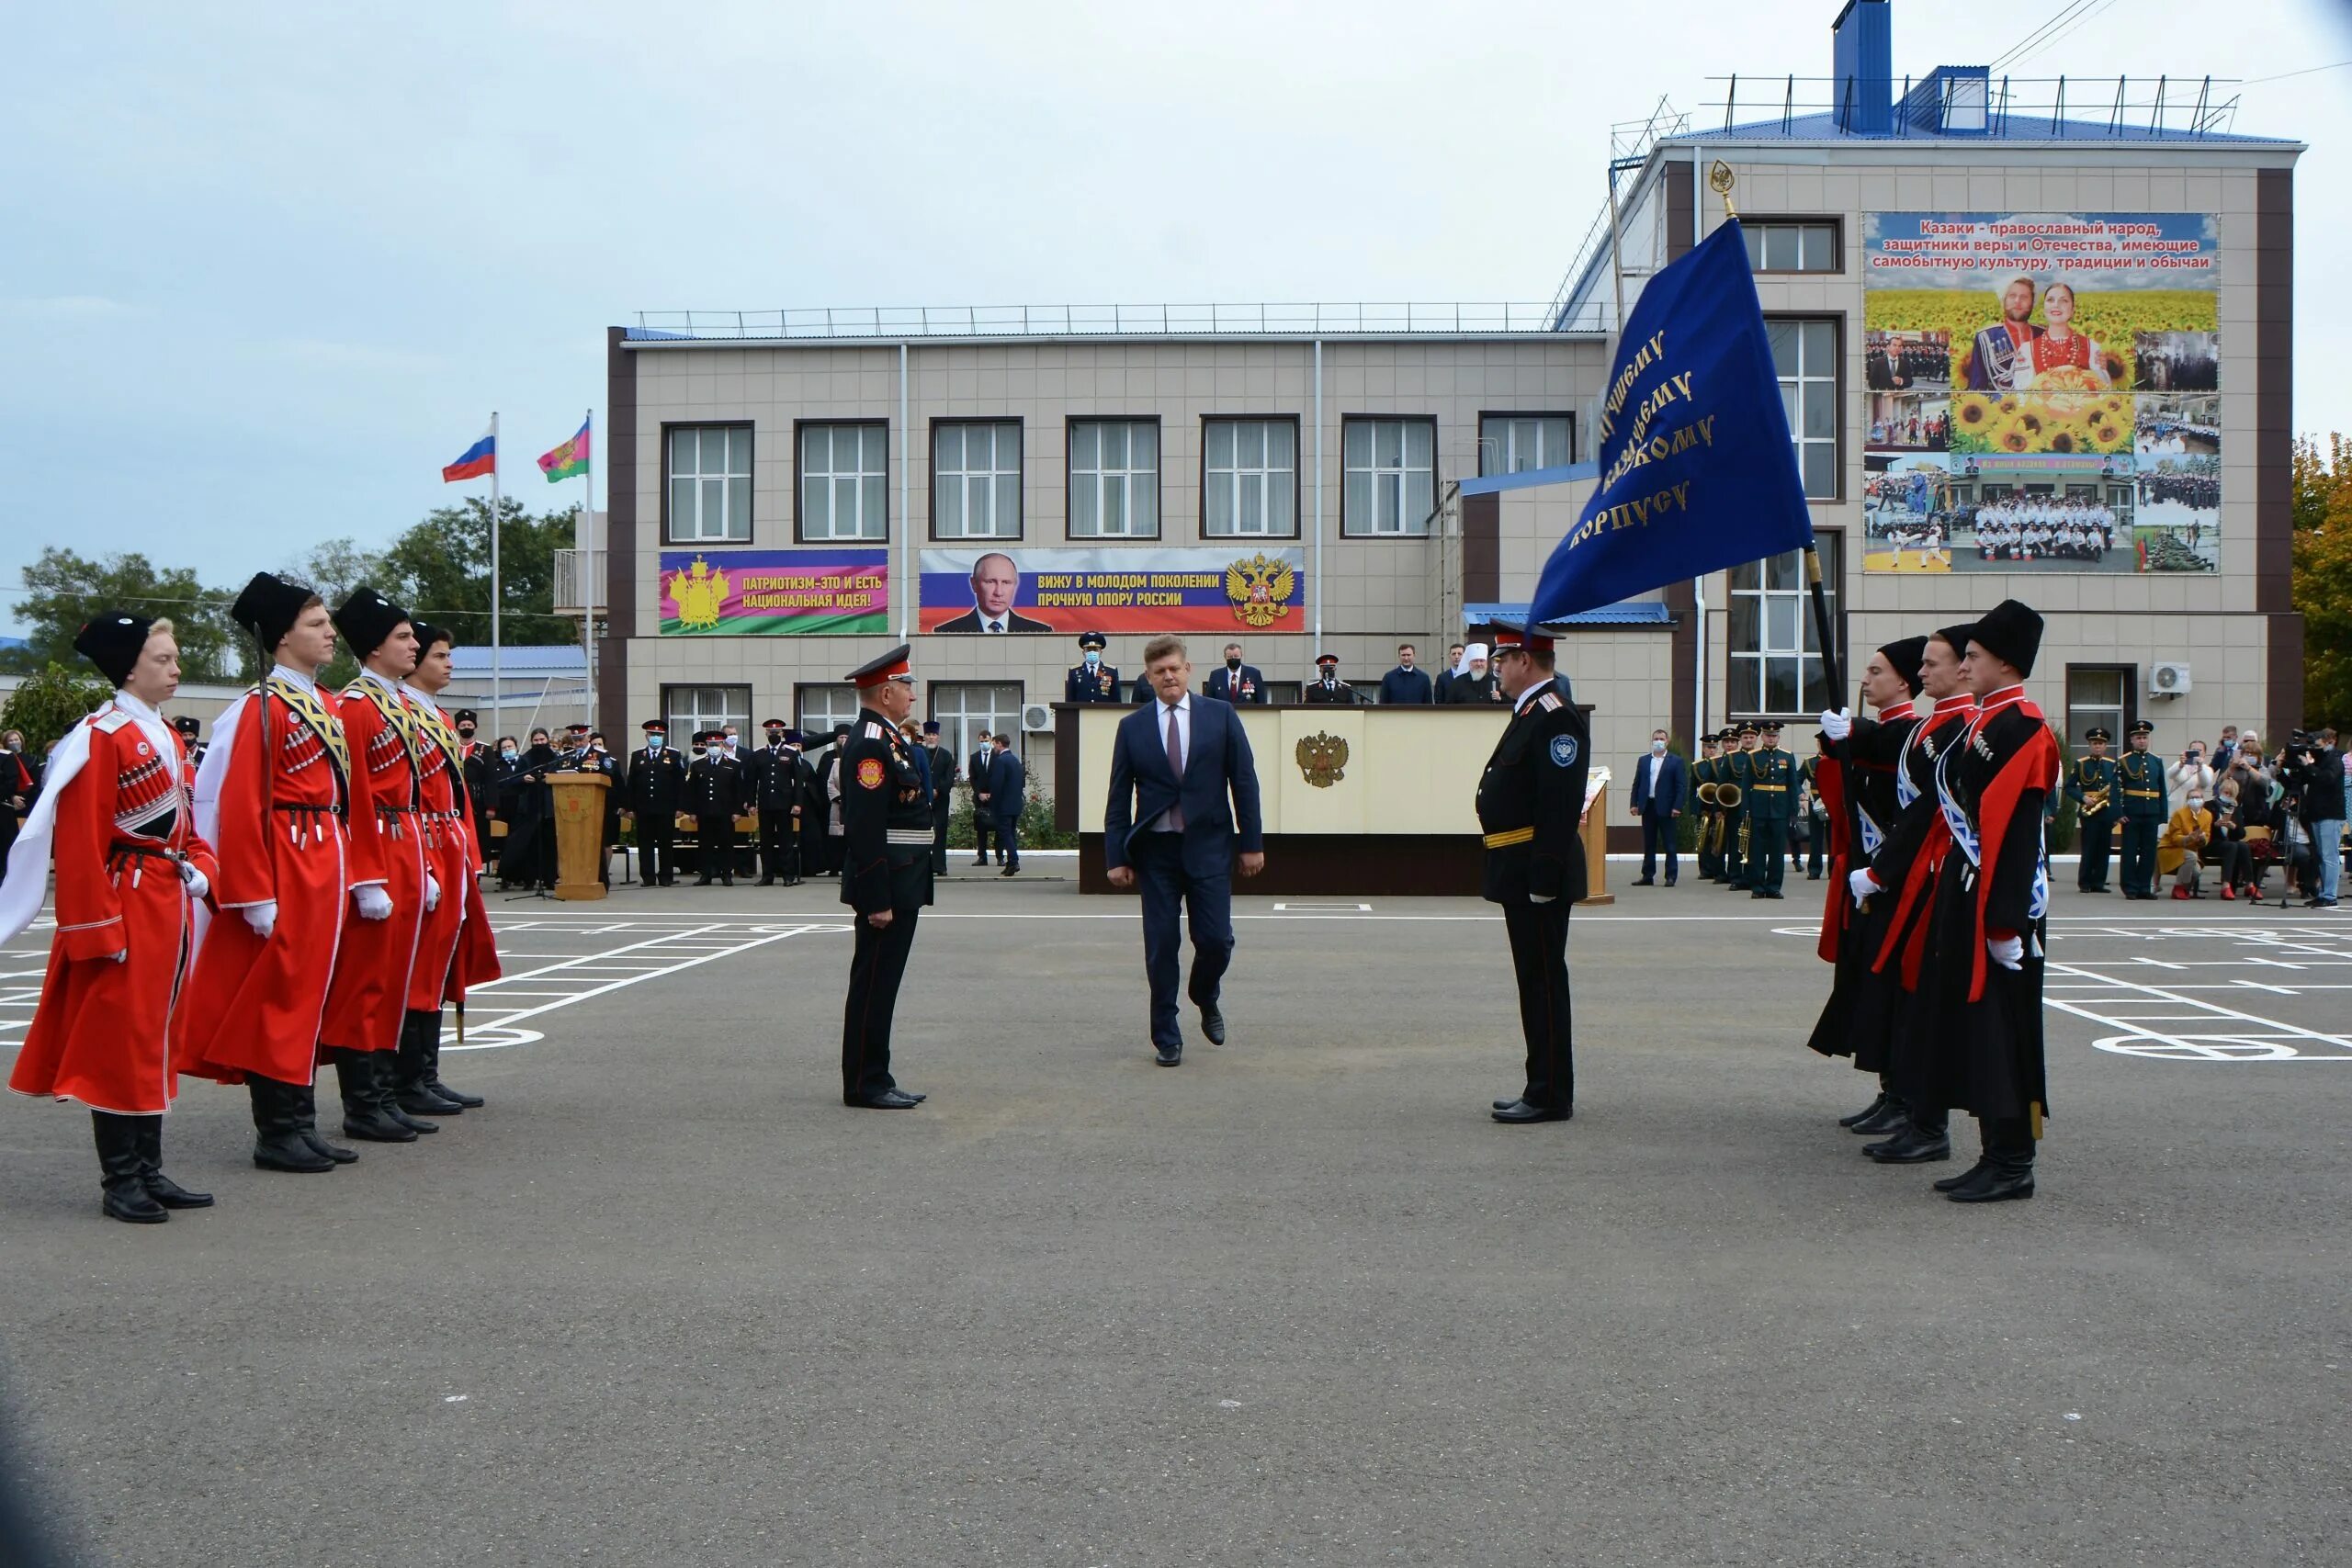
x=906 y=519
x=1319 y=495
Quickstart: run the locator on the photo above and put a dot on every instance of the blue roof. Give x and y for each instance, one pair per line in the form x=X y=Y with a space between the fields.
x=559 y=660
x=2018 y=125
x=1630 y=613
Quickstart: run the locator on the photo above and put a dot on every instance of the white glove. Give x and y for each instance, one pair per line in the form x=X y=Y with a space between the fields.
x=262 y=917
x=1837 y=723
x=194 y=881
x=431 y=892
x=1542 y=898
x=120 y=956
x=1862 y=885
x=2005 y=951
x=375 y=904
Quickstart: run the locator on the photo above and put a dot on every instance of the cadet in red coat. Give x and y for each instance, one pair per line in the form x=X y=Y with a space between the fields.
x=361 y=1029
x=446 y=959
x=271 y=798
x=131 y=871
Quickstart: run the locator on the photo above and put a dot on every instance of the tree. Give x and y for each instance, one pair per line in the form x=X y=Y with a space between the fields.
x=443 y=566
x=64 y=589
x=50 y=702
x=2322 y=577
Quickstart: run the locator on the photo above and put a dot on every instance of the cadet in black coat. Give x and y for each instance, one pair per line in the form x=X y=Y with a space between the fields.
x=885 y=875
x=1327 y=686
x=942 y=794
x=714 y=795
x=1090 y=680
x=655 y=785
x=1530 y=802
x=773 y=778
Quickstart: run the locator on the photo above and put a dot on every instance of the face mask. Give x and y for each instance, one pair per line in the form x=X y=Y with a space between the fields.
x=506 y=752
x=465 y=731
x=653 y=743
x=1233 y=663
x=729 y=742
x=1092 y=658
x=1658 y=748
x=714 y=753
x=776 y=737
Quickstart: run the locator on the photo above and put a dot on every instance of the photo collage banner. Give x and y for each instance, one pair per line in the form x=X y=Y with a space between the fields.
x=2043 y=392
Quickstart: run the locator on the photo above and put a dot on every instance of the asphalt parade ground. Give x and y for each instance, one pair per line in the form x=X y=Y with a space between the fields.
x=665 y=1300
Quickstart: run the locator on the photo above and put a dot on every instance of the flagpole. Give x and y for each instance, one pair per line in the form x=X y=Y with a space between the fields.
x=588 y=584
x=498 y=716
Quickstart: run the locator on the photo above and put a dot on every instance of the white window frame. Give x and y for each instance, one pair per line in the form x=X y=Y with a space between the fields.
x=1782 y=630
x=1275 y=485
x=730 y=485
x=2115 y=718
x=1769 y=242
x=963 y=708
x=1136 y=485
x=690 y=708
x=1412 y=487
x=1809 y=386
x=865 y=483
x=1514 y=443
x=969 y=484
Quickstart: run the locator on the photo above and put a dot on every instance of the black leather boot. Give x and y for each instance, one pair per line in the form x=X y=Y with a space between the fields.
x=1926 y=1137
x=430 y=1034
x=363 y=1117
x=1947 y=1183
x=161 y=1188
x=411 y=1093
x=304 y=1099
x=1865 y=1113
x=1893 y=1114
x=278 y=1142
x=126 y=1194
x=2007 y=1169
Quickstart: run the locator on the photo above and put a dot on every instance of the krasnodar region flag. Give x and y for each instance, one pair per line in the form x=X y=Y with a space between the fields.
x=569 y=459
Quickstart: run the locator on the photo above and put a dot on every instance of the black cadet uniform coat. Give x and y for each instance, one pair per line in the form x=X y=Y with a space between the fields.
x=1884 y=1011
x=714 y=795
x=886 y=865
x=775 y=787
x=1099 y=685
x=1529 y=802
x=655 y=783
x=1337 y=692
x=1861 y=1002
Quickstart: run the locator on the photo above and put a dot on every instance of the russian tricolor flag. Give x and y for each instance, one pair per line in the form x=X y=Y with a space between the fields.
x=478 y=459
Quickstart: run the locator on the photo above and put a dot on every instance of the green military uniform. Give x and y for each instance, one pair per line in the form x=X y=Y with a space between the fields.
x=1711 y=859
x=1739 y=773
x=2088 y=777
x=2146 y=804
x=1770 y=803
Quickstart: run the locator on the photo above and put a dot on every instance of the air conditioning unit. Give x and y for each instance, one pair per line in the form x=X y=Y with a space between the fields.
x=1036 y=718
x=2168 y=681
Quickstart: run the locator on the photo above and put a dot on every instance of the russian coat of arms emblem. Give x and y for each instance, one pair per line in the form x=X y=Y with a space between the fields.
x=1322 y=759
x=1259 y=590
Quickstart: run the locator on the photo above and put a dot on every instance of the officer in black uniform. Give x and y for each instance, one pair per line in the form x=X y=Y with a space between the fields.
x=1327 y=686
x=714 y=795
x=1529 y=803
x=1090 y=680
x=886 y=875
x=2091 y=785
x=656 y=784
x=943 y=793
x=778 y=795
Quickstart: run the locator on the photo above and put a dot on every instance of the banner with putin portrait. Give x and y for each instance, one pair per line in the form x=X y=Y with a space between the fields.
x=1237 y=587
x=2041 y=391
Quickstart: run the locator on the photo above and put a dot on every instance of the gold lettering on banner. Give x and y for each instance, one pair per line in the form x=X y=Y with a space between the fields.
x=1322 y=759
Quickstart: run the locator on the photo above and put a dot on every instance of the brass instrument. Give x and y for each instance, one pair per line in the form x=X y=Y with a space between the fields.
x=1727 y=797
x=1707 y=793
x=1744 y=852
x=2094 y=802
x=1718 y=825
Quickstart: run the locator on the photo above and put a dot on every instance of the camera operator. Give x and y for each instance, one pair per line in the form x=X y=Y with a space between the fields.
x=2315 y=772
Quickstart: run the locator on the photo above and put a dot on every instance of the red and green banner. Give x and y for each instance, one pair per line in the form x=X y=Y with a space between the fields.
x=774 y=592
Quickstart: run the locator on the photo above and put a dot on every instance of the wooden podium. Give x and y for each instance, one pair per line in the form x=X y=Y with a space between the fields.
x=579 y=834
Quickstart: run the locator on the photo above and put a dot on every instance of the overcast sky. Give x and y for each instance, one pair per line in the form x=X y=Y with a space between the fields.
x=266 y=273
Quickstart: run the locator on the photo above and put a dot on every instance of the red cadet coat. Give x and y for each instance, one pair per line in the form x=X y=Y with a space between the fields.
x=373 y=958
x=103 y=1032
x=456 y=863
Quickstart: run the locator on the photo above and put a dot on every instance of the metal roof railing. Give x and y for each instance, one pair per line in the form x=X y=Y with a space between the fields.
x=892 y=323
x=2070 y=108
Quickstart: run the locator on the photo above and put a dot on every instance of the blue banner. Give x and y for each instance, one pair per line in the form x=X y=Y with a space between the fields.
x=1696 y=468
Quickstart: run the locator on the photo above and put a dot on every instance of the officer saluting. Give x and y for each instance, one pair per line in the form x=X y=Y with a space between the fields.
x=1090 y=680
x=2147 y=803
x=886 y=875
x=1529 y=802
x=2091 y=785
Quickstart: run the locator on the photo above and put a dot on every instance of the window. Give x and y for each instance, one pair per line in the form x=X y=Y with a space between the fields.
x=1114 y=478
x=2099 y=696
x=976 y=479
x=1775 y=652
x=710 y=483
x=963 y=708
x=1806 y=354
x=690 y=710
x=1791 y=247
x=1249 y=478
x=1391 y=468
x=1514 y=443
x=1283 y=691
x=818 y=708
x=844 y=481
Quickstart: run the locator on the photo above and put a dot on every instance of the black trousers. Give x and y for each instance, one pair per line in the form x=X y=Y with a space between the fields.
x=2098 y=836
x=657 y=847
x=1817 y=848
x=715 y=846
x=1007 y=840
x=1207 y=902
x=779 y=844
x=981 y=830
x=878 y=964
x=2140 y=854
x=1538 y=958
x=939 y=840
x=1654 y=831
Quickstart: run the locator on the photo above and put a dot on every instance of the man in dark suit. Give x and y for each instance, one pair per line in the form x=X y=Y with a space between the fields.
x=714 y=795
x=1002 y=797
x=942 y=763
x=1445 y=676
x=1529 y=802
x=1232 y=681
x=1408 y=683
x=1327 y=686
x=655 y=784
x=1660 y=788
x=995 y=581
x=976 y=774
x=1174 y=766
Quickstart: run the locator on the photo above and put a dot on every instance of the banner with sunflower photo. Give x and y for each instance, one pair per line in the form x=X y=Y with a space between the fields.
x=2041 y=391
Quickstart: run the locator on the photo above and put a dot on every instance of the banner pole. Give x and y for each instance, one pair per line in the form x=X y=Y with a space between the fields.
x=588 y=576
x=1834 y=679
